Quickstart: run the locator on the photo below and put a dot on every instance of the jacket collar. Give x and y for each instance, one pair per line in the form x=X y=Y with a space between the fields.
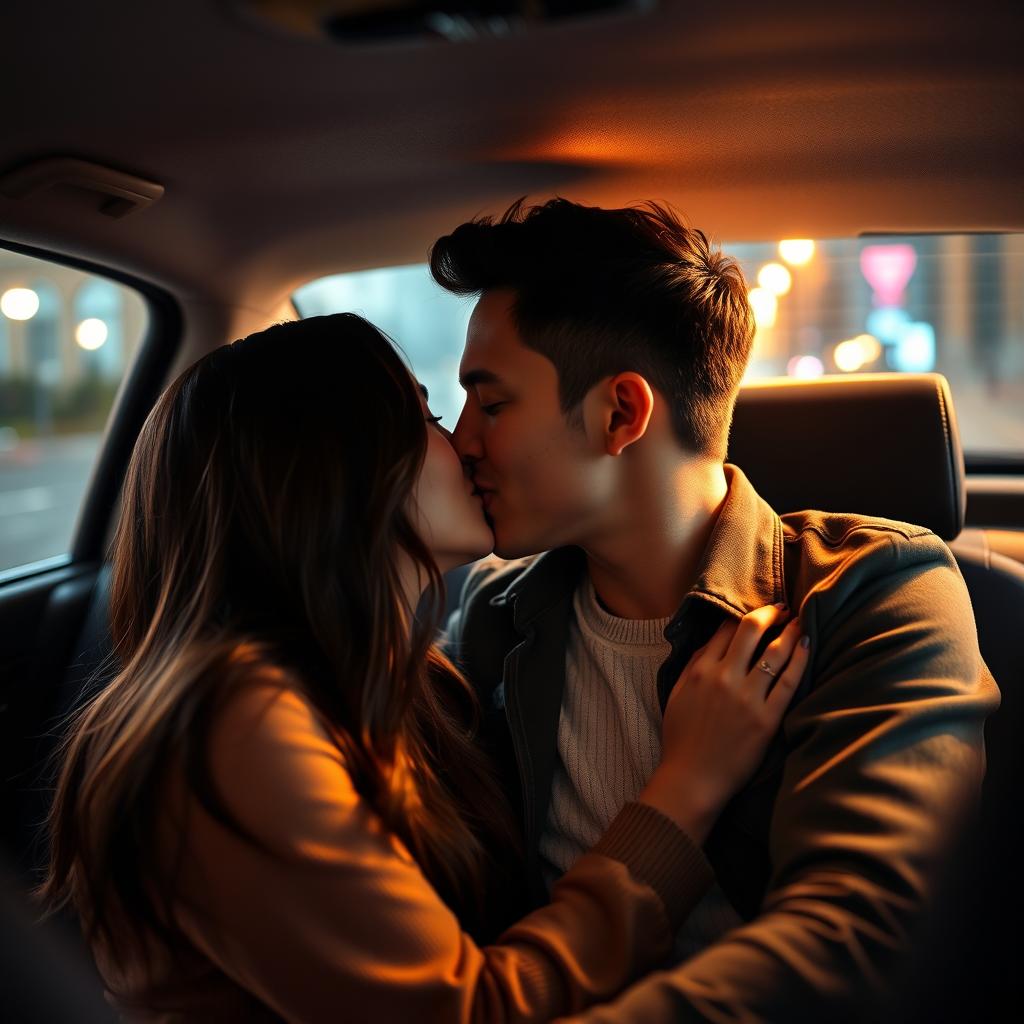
x=742 y=565
x=741 y=569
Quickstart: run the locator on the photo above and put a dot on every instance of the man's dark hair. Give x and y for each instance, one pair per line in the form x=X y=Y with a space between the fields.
x=600 y=292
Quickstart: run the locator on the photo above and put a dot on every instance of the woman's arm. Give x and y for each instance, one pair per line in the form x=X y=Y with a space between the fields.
x=337 y=922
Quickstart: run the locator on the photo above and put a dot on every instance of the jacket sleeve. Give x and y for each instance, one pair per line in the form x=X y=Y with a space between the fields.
x=329 y=918
x=885 y=757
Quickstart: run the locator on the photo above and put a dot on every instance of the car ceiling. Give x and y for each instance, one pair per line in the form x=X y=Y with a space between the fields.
x=285 y=157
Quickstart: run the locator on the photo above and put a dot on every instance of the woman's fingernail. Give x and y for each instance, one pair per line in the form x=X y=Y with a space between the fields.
x=805 y=641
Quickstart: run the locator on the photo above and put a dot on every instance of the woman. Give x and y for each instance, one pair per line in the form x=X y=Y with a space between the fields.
x=277 y=808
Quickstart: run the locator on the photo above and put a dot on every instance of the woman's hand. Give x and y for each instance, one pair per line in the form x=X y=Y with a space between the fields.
x=722 y=713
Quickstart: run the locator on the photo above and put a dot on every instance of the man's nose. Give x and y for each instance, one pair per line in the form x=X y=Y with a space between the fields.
x=466 y=438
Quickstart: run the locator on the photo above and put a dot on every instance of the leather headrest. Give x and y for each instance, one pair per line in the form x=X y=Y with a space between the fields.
x=883 y=445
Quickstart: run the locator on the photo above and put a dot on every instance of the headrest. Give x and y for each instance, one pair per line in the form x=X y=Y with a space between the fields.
x=883 y=445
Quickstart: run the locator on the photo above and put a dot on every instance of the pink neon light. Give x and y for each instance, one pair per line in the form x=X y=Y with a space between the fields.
x=887 y=269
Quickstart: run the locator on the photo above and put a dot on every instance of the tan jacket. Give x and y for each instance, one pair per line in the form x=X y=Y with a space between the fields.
x=337 y=923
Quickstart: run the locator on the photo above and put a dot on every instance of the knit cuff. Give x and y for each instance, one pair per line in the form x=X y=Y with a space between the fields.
x=661 y=855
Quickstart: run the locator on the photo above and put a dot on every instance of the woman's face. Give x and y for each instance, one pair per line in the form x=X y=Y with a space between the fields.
x=448 y=515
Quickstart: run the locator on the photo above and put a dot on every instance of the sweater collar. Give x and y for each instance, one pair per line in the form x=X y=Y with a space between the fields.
x=635 y=635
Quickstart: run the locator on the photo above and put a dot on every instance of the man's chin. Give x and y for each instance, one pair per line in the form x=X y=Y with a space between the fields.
x=485 y=548
x=509 y=549
x=508 y=545
x=452 y=562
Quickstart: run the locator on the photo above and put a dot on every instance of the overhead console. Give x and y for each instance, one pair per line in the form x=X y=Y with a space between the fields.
x=355 y=22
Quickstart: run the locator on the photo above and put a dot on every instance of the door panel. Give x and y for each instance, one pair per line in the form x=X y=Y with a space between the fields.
x=40 y=625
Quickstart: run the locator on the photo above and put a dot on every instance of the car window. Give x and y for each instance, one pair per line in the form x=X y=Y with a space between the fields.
x=66 y=339
x=427 y=323
x=947 y=303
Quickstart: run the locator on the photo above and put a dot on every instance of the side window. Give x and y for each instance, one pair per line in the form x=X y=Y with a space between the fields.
x=427 y=323
x=67 y=339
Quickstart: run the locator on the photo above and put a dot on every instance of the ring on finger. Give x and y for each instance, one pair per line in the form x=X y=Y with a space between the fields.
x=765 y=667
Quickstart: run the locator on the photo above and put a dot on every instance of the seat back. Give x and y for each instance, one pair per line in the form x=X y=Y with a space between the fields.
x=887 y=445
x=881 y=444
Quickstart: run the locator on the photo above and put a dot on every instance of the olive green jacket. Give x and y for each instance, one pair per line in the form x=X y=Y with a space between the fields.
x=830 y=851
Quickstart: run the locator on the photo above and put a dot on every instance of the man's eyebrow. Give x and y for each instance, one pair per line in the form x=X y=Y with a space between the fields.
x=423 y=391
x=474 y=377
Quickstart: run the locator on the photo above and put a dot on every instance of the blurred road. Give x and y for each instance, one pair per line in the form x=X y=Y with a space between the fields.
x=41 y=488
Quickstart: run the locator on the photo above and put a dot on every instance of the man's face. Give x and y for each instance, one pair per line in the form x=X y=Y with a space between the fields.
x=540 y=477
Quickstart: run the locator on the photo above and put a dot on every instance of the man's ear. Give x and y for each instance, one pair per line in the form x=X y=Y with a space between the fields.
x=628 y=413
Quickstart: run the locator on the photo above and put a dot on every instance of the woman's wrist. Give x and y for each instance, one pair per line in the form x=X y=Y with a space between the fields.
x=660 y=854
x=686 y=804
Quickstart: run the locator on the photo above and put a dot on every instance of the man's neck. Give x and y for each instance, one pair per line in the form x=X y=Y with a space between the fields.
x=644 y=561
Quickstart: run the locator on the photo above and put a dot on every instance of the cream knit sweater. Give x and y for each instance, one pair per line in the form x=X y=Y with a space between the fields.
x=609 y=743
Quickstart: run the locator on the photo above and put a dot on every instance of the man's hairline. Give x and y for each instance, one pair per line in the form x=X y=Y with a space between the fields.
x=573 y=414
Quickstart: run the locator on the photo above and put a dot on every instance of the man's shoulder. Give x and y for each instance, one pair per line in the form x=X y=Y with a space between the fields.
x=844 y=537
x=841 y=558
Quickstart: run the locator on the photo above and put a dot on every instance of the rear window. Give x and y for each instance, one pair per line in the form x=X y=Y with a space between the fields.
x=66 y=340
x=947 y=303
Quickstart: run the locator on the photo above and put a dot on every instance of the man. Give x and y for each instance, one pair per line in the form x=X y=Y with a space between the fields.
x=601 y=368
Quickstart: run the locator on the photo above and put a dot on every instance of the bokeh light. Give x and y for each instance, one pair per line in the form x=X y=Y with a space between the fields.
x=797 y=251
x=915 y=351
x=888 y=323
x=805 y=367
x=91 y=334
x=765 y=306
x=888 y=269
x=775 y=278
x=855 y=353
x=19 y=303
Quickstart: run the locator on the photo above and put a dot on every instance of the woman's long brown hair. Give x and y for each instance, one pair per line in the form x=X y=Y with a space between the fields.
x=264 y=524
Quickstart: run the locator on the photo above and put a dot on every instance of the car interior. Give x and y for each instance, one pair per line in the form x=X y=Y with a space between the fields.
x=214 y=156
